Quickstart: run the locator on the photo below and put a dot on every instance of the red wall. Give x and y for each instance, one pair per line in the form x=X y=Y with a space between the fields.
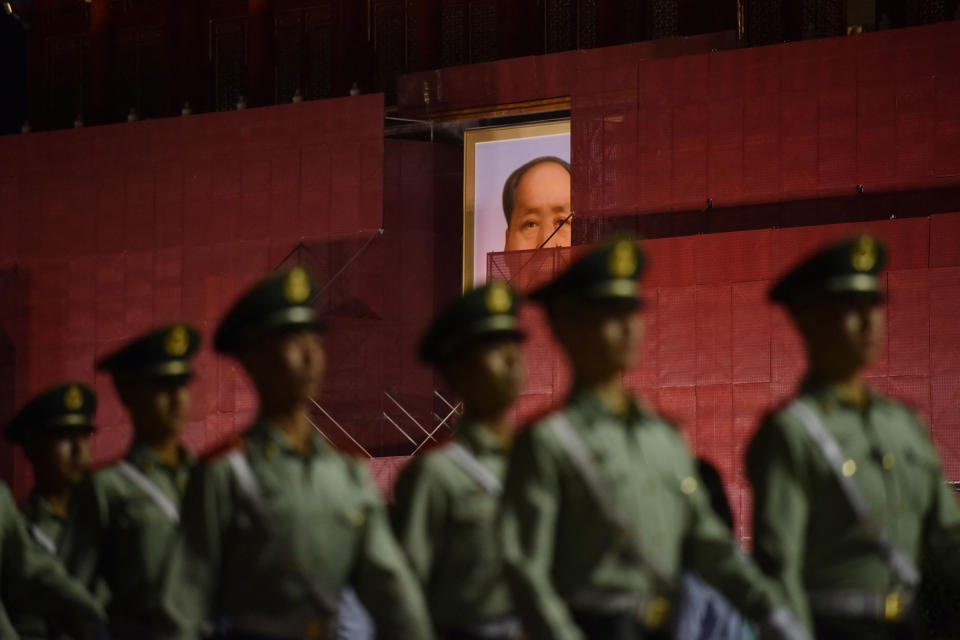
x=662 y=126
x=106 y=231
x=529 y=78
x=769 y=124
x=716 y=355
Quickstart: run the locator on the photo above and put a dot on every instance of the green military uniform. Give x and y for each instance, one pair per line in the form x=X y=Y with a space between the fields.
x=446 y=509
x=45 y=527
x=806 y=533
x=63 y=409
x=573 y=568
x=446 y=523
x=120 y=535
x=272 y=535
x=33 y=583
x=125 y=519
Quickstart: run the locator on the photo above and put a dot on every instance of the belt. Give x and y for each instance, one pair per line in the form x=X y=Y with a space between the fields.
x=651 y=611
x=281 y=627
x=851 y=603
x=506 y=627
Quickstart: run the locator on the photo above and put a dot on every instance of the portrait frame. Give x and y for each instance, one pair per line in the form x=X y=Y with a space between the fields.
x=471 y=139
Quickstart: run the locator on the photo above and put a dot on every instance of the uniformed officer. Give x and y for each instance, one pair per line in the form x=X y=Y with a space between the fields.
x=447 y=501
x=277 y=525
x=54 y=431
x=125 y=519
x=602 y=503
x=34 y=582
x=848 y=491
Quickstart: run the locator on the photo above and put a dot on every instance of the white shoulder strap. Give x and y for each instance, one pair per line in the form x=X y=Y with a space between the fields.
x=250 y=487
x=146 y=485
x=248 y=483
x=576 y=449
x=469 y=463
x=42 y=538
x=901 y=564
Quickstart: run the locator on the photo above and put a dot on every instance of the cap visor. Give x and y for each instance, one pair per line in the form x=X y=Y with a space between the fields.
x=622 y=292
x=80 y=429
x=167 y=369
x=854 y=283
x=489 y=328
x=857 y=284
x=291 y=317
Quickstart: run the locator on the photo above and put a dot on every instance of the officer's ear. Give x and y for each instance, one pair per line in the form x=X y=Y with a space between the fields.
x=250 y=358
x=449 y=370
x=563 y=321
x=122 y=388
x=127 y=389
x=32 y=448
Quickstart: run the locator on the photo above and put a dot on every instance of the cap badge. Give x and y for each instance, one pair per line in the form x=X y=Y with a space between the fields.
x=177 y=341
x=622 y=262
x=864 y=255
x=73 y=398
x=498 y=298
x=297 y=286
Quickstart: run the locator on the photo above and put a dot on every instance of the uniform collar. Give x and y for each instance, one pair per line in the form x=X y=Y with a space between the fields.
x=588 y=402
x=480 y=440
x=273 y=440
x=830 y=399
x=37 y=509
x=146 y=459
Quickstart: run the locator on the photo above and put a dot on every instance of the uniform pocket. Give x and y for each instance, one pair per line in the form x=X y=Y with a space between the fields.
x=475 y=507
x=914 y=477
x=139 y=512
x=341 y=529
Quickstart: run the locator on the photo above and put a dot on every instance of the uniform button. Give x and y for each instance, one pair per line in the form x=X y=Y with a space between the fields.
x=889 y=460
x=688 y=485
x=849 y=468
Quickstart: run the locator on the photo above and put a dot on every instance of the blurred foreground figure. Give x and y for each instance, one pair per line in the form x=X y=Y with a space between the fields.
x=125 y=519
x=603 y=506
x=54 y=431
x=35 y=590
x=278 y=523
x=848 y=492
x=447 y=501
x=702 y=613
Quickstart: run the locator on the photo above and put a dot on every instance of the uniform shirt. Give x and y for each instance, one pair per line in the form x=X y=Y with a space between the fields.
x=327 y=522
x=805 y=532
x=559 y=547
x=43 y=525
x=42 y=521
x=33 y=580
x=446 y=523
x=118 y=534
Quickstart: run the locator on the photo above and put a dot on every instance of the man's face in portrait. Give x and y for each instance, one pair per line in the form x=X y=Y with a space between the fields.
x=539 y=193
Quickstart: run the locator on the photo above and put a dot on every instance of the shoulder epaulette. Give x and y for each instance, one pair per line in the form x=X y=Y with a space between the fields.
x=223 y=448
x=106 y=464
x=539 y=417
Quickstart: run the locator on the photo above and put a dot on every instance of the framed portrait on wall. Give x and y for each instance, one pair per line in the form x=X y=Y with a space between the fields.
x=516 y=192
